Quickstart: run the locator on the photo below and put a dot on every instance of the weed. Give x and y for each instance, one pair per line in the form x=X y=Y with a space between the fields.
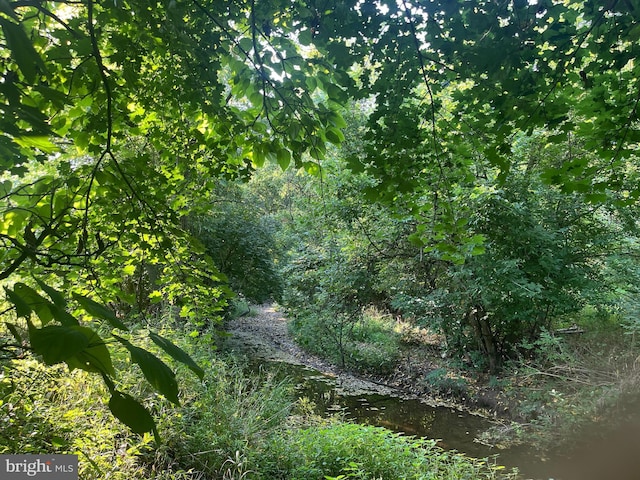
x=342 y=450
x=230 y=426
x=444 y=383
x=367 y=343
x=235 y=468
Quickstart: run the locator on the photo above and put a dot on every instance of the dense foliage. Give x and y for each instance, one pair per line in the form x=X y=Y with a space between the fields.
x=543 y=255
x=119 y=118
x=239 y=235
x=231 y=426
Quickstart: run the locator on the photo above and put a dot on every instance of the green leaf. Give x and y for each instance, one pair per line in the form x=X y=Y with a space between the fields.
x=6 y=8
x=62 y=316
x=256 y=99
x=22 y=50
x=157 y=373
x=336 y=93
x=416 y=240
x=56 y=297
x=22 y=308
x=596 y=198
x=40 y=142
x=246 y=44
x=95 y=309
x=95 y=357
x=335 y=136
x=305 y=37
x=284 y=158
x=36 y=302
x=336 y=120
x=177 y=353
x=126 y=409
x=57 y=343
x=14 y=331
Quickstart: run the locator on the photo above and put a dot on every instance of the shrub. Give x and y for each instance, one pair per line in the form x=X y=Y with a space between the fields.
x=440 y=381
x=46 y=409
x=367 y=343
x=346 y=450
x=243 y=247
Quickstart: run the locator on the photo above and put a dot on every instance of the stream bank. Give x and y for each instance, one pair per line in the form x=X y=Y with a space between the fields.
x=390 y=402
x=264 y=336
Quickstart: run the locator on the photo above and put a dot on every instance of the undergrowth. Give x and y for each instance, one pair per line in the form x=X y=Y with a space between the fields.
x=232 y=425
x=570 y=385
x=367 y=342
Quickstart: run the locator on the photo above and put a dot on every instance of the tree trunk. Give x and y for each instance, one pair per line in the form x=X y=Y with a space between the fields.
x=479 y=322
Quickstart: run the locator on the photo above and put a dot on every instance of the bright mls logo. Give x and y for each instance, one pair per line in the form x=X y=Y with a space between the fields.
x=49 y=467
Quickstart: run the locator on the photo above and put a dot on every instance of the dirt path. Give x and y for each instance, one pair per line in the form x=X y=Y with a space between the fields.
x=265 y=335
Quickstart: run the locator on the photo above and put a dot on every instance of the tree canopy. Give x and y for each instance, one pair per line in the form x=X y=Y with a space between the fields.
x=117 y=117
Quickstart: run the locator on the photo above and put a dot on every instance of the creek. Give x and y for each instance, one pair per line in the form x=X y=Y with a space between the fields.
x=371 y=404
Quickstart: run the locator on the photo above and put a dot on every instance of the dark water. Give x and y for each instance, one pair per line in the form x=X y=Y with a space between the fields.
x=613 y=455
x=454 y=429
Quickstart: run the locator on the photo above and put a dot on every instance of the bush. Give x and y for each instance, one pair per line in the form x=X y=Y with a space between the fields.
x=229 y=426
x=443 y=383
x=367 y=343
x=346 y=450
x=373 y=345
x=242 y=245
x=48 y=410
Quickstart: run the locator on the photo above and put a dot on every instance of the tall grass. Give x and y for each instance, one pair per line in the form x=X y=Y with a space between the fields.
x=369 y=344
x=339 y=450
x=230 y=414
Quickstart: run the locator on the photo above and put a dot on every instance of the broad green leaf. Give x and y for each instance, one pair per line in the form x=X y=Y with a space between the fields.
x=130 y=412
x=258 y=156
x=336 y=93
x=5 y=187
x=57 y=343
x=337 y=121
x=305 y=37
x=129 y=269
x=284 y=158
x=22 y=308
x=334 y=135
x=56 y=297
x=596 y=198
x=6 y=8
x=177 y=353
x=416 y=240
x=36 y=302
x=95 y=357
x=14 y=222
x=157 y=373
x=41 y=143
x=246 y=44
x=62 y=316
x=95 y=309
x=22 y=50
x=256 y=99
x=14 y=331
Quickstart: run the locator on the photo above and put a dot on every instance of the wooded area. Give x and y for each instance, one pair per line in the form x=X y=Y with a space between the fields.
x=466 y=169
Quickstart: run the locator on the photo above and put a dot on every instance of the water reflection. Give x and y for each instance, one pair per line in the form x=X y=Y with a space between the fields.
x=453 y=429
